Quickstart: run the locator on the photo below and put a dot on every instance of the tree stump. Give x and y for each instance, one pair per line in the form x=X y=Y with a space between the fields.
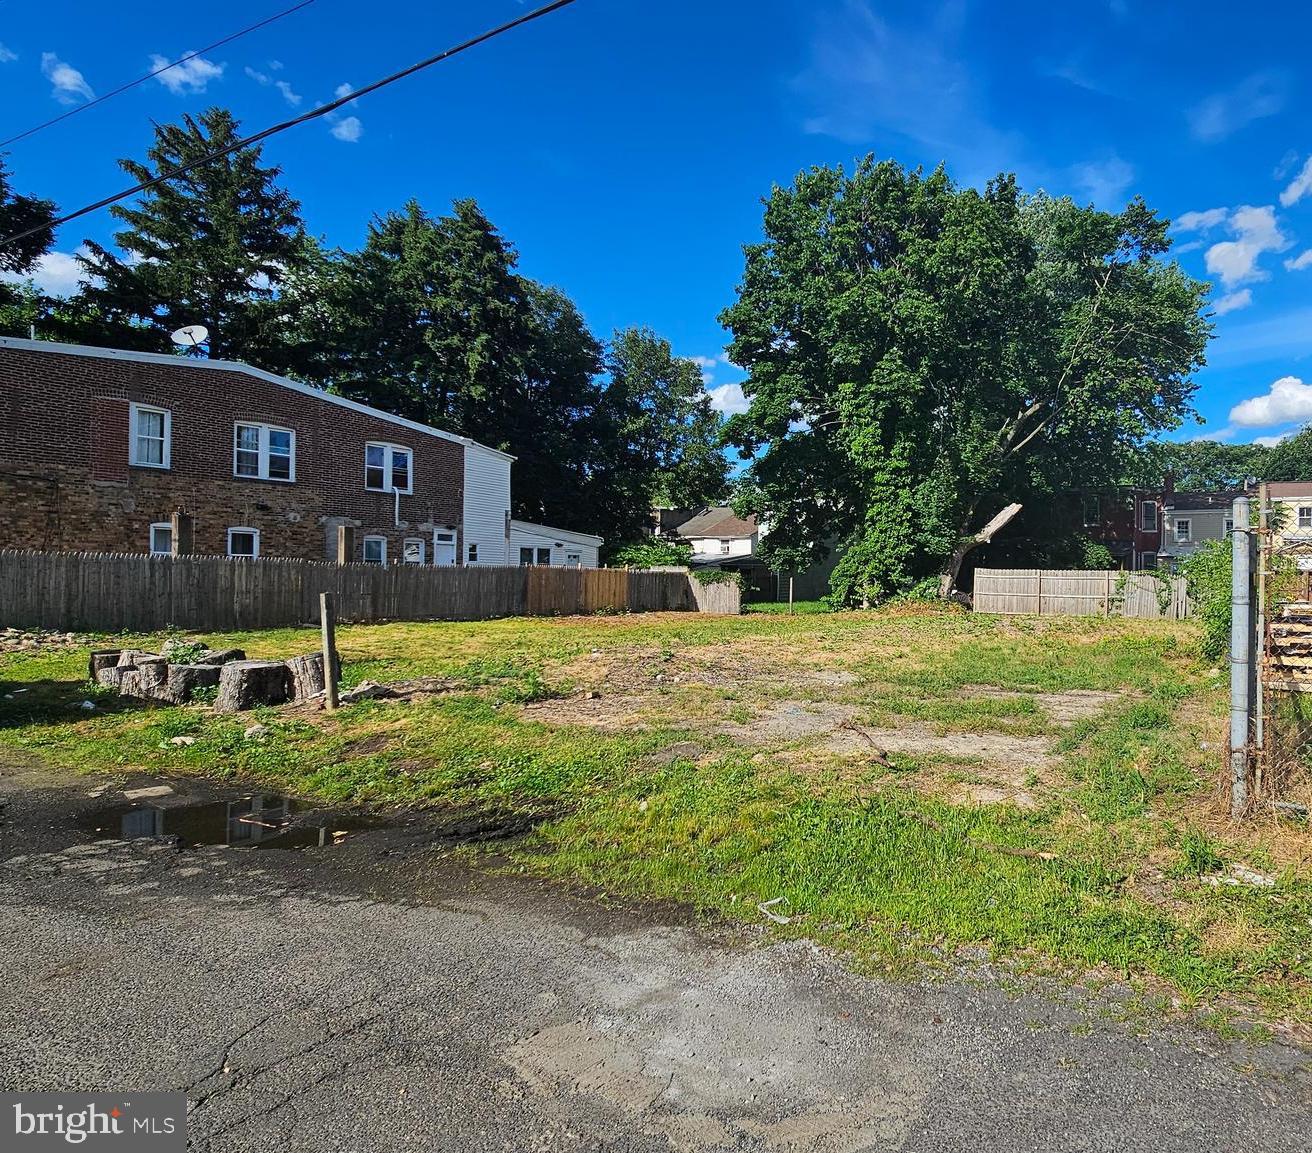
x=129 y=657
x=153 y=679
x=245 y=684
x=222 y=657
x=102 y=659
x=184 y=680
x=307 y=676
x=112 y=677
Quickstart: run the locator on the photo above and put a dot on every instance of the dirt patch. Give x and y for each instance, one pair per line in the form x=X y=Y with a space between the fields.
x=601 y=712
x=790 y=721
x=363 y=746
x=991 y=748
x=1067 y=708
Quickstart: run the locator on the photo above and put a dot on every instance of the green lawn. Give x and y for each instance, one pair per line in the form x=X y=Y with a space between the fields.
x=911 y=782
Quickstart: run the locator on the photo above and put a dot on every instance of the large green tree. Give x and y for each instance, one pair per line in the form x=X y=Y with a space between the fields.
x=1198 y=465
x=207 y=247
x=21 y=303
x=921 y=355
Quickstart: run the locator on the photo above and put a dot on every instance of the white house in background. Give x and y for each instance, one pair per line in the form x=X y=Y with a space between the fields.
x=1190 y=518
x=717 y=535
x=539 y=544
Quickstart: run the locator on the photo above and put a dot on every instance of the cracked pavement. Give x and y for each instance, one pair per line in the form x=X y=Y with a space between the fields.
x=376 y=995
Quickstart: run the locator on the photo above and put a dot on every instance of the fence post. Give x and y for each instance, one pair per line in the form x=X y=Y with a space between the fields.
x=1241 y=664
x=183 y=531
x=328 y=628
x=790 y=595
x=1259 y=629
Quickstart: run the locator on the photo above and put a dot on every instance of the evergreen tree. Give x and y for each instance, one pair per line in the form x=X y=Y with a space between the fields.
x=21 y=304
x=208 y=247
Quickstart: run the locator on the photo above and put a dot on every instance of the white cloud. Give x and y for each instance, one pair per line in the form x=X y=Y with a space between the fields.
x=1270 y=441
x=342 y=91
x=1299 y=187
x=6 y=55
x=191 y=77
x=55 y=274
x=1301 y=261
x=349 y=129
x=1224 y=113
x=264 y=79
x=728 y=399
x=292 y=98
x=1287 y=401
x=1232 y=301
x=68 y=85
x=1104 y=181
x=1201 y=221
x=708 y=365
x=1218 y=434
x=1256 y=232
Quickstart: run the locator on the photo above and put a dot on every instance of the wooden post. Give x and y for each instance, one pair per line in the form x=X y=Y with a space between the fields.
x=790 y=595
x=328 y=627
x=183 y=532
x=345 y=543
x=1107 y=596
x=1038 y=591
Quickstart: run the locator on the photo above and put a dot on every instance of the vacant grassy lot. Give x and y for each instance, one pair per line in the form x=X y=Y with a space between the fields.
x=909 y=784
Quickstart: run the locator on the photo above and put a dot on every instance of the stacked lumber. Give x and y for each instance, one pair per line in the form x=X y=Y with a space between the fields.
x=1287 y=663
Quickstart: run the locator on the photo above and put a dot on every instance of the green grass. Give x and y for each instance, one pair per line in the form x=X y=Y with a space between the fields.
x=798 y=608
x=869 y=858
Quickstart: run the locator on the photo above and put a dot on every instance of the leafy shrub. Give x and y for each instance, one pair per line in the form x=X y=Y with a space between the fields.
x=715 y=576
x=1207 y=573
x=654 y=554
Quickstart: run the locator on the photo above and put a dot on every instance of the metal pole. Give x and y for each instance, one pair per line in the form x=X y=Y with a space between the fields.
x=328 y=627
x=1259 y=624
x=1241 y=639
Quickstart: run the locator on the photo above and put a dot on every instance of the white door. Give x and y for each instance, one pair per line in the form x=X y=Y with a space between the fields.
x=444 y=548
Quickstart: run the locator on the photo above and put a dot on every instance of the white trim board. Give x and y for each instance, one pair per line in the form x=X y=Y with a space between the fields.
x=167 y=359
x=563 y=533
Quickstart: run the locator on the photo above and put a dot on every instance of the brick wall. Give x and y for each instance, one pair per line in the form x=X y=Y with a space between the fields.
x=66 y=482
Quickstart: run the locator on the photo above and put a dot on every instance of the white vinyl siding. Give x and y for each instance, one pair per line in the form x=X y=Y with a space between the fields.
x=263 y=452
x=151 y=433
x=537 y=544
x=486 y=506
x=388 y=467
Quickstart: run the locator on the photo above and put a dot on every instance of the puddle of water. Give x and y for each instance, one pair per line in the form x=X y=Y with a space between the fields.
x=259 y=821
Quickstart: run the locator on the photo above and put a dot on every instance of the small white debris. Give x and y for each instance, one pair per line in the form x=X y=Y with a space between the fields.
x=87 y=705
x=9 y=696
x=767 y=907
x=182 y=741
x=642 y=806
x=148 y=792
x=1240 y=875
x=256 y=732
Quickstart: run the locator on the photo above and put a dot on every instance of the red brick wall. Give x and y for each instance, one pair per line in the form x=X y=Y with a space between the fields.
x=66 y=484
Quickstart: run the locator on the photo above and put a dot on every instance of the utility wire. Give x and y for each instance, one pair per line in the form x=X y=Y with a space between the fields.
x=152 y=75
x=313 y=114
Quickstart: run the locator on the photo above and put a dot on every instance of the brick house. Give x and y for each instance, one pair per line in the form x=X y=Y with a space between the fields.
x=100 y=447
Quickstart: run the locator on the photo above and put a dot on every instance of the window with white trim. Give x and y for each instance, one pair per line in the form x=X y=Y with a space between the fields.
x=263 y=452
x=573 y=560
x=1148 y=516
x=1305 y=516
x=544 y=556
x=161 y=538
x=1229 y=525
x=1184 y=530
x=724 y=547
x=375 y=550
x=525 y=557
x=388 y=467
x=412 y=550
x=152 y=435
x=473 y=554
x=244 y=543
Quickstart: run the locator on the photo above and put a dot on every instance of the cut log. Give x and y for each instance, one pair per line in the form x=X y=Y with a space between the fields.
x=222 y=657
x=153 y=679
x=127 y=657
x=112 y=677
x=102 y=659
x=184 y=680
x=307 y=676
x=245 y=684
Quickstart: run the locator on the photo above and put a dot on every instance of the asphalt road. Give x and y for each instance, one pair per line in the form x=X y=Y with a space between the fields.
x=372 y=996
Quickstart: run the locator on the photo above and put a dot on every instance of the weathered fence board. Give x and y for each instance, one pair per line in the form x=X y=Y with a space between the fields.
x=1079 y=592
x=110 y=592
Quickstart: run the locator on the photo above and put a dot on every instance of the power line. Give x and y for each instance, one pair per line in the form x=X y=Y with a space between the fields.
x=151 y=75
x=313 y=114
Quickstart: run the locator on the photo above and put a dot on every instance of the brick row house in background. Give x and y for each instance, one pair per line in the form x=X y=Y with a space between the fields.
x=99 y=448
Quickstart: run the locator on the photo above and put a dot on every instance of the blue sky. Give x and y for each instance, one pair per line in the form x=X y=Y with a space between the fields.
x=624 y=147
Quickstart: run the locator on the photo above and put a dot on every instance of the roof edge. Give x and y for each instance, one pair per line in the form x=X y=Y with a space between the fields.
x=551 y=531
x=164 y=358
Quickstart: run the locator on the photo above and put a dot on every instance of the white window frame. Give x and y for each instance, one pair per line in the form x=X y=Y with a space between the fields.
x=544 y=563
x=262 y=466
x=134 y=459
x=405 y=548
x=573 y=560
x=255 y=534
x=150 y=539
x=725 y=546
x=1144 y=526
x=1228 y=525
x=388 y=449
x=1304 y=522
x=1187 y=524
x=364 y=550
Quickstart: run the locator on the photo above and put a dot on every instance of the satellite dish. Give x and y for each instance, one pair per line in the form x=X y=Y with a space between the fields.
x=191 y=336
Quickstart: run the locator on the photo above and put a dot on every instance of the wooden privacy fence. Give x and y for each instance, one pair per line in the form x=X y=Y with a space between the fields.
x=1080 y=592
x=110 y=592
